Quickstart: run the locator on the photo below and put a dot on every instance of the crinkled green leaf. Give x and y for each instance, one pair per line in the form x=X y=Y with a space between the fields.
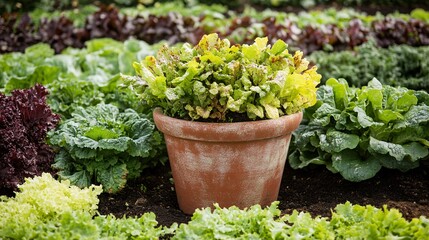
x=81 y=179
x=336 y=141
x=388 y=161
x=97 y=132
x=119 y=144
x=353 y=168
x=415 y=116
x=114 y=178
x=254 y=111
x=381 y=147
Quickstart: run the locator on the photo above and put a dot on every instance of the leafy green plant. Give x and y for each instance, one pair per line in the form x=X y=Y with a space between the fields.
x=348 y=221
x=76 y=77
x=43 y=199
x=214 y=79
x=252 y=223
x=45 y=208
x=400 y=65
x=103 y=145
x=368 y=222
x=357 y=131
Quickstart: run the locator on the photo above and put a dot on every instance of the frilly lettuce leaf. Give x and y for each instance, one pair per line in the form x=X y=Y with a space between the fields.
x=214 y=79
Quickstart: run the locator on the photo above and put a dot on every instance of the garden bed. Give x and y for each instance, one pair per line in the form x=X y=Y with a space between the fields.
x=314 y=190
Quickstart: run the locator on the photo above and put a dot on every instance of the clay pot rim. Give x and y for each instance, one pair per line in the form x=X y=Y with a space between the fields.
x=226 y=132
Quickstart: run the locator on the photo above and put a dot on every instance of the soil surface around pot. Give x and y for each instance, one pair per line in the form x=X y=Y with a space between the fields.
x=314 y=190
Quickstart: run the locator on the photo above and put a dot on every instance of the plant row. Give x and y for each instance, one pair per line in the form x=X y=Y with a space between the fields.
x=27 y=5
x=357 y=131
x=399 y=65
x=48 y=209
x=106 y=134
x=17 y=33
x=311 y=3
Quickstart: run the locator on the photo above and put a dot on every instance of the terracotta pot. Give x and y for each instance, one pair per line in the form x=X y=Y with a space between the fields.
x=237 y=163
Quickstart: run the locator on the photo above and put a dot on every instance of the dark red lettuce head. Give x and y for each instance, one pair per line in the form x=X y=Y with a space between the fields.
x=25 y=119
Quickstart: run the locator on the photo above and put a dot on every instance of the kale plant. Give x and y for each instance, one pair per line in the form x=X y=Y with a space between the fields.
x=101 y=144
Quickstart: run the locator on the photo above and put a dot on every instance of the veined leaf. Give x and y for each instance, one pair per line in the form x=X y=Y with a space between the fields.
x=336 y=141
x=97 y=132
x=353 y=168
x=81 y=179
x=114 y=178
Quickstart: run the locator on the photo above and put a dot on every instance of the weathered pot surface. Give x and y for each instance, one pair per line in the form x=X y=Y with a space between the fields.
x=238 y=163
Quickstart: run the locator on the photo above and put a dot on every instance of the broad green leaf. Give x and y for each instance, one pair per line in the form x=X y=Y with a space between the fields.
x=114 y=178
x=375 y=97
x=83 y=152
x=278 y=47
x=406 y=101
x=119 y=144
x=82 y=142
x=322 y=116
x=340 y=92
x=415 y=116
x=81 y=179
x=381 y=147
x=42 y=74
x=391 y=163
x=299 y=160
x=353 y=168
x=388 y=115
x=336 y=141
x=364 y=120
x=254 y=111
x=98 y=132
x=416 y=151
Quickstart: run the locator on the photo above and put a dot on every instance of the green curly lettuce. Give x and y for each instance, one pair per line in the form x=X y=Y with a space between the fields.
x=45 y=208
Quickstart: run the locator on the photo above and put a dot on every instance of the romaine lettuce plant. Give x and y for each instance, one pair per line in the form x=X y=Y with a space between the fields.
x=25 y=119
x=100 y=144
x=214 y=80
x=356 y=131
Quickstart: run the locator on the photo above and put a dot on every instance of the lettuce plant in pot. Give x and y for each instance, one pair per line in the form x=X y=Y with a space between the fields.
x=227 y=113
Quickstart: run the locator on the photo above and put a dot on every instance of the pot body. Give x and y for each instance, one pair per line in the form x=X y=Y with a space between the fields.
x=230 y=164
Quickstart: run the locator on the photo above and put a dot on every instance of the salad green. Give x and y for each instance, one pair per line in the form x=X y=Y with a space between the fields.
x=214 y=79
x=356 y=132
x=101 y=144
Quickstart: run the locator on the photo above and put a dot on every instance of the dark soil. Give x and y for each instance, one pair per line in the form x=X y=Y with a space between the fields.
x=314 y=190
